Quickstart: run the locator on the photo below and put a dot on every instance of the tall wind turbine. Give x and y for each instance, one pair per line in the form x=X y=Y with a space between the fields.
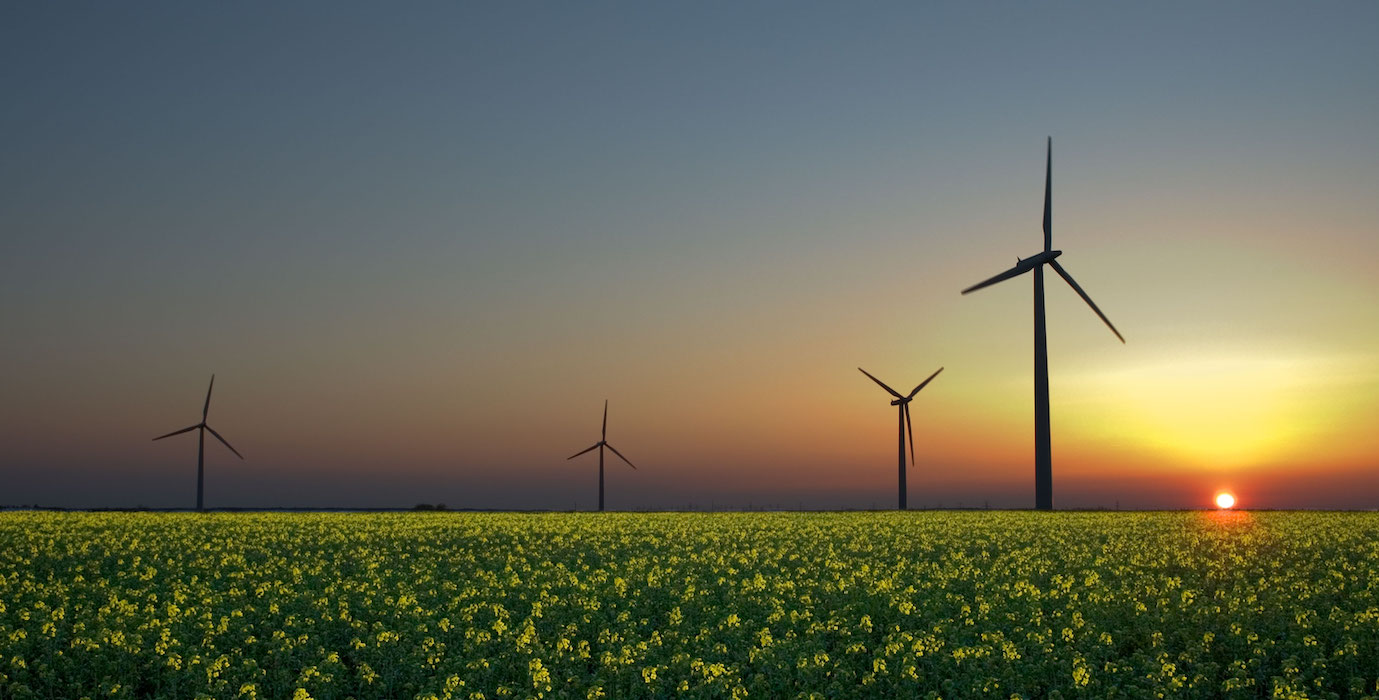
x=1043 y=457
x=201 y=443
x=602 y=443
x=904 y=403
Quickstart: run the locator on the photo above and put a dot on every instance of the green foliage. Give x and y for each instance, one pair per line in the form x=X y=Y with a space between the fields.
x=824 y=605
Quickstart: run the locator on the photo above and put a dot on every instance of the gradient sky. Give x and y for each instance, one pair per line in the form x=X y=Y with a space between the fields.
x=420 y=244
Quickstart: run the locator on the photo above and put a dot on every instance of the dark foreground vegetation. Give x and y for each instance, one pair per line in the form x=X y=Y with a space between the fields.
x=480 y=605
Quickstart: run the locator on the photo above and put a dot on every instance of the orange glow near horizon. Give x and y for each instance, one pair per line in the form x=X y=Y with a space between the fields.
x=1229 y=411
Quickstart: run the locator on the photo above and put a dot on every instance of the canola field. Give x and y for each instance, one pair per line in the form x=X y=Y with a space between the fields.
x=627 y=605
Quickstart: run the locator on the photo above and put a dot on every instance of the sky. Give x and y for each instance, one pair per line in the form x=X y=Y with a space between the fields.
x=419 y=245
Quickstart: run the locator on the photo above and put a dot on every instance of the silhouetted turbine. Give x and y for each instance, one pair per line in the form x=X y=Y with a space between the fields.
x=1043 y=457
x=602 y=443
x=201 y=443
x=904 y=403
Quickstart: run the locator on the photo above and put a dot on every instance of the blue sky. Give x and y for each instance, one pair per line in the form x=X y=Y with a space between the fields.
x=400 y=233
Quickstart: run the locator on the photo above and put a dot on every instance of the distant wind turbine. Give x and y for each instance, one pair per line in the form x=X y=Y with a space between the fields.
x=1043 y=458
x=602 y=443
x=904 y=403
x=201 y=443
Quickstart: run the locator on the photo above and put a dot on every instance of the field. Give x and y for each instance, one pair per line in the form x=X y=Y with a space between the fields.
x=938 y=604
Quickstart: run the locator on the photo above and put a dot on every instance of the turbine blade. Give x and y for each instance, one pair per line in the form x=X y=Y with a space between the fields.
x=605 y=419
x=1069 y=279
x=911 y=429
x=1019 y=269
x=207 y=408
x=177 y=432
x=883 y=384
x=223 y=442
x=1048 y=199
x=594 y=447
x=924 y=383
x=619 y=454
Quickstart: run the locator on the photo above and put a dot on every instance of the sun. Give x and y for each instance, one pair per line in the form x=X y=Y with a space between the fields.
x=1225 y=500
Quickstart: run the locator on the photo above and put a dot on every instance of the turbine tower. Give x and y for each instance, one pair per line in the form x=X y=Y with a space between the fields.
x=1043 y=457
x=904 y=403
x=201 y=443
x=602 y=443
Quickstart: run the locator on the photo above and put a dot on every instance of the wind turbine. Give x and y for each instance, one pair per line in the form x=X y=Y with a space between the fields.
x=1043 y=457
x=602 y=443
x=201 y=443
x=904 y=403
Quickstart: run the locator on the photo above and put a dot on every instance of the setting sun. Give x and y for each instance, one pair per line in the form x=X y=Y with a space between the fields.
x=1224 y=500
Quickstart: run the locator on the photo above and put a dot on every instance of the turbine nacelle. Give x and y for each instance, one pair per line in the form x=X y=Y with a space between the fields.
x=1039 y=258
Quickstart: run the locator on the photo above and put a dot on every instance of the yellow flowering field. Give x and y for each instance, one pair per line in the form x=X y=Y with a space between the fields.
x=620 y=605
